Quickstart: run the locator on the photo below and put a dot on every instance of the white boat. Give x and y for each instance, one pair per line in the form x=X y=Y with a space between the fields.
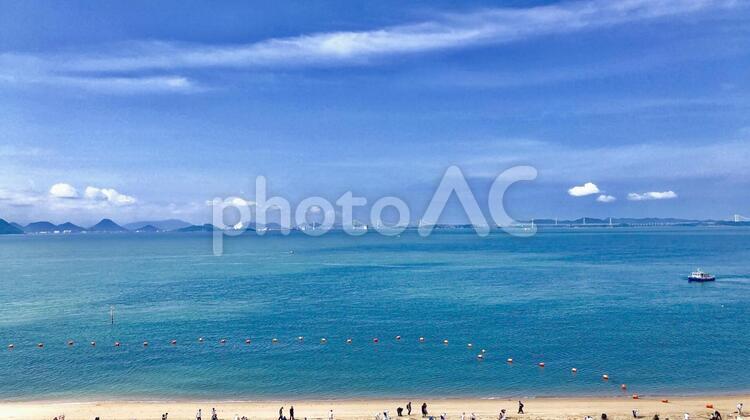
x=700 y=276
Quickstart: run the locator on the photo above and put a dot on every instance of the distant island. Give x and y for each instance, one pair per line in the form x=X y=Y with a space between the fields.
x=180 y=226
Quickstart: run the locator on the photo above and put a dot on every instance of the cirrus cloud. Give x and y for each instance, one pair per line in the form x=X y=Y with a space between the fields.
x=652 y=195
x=584 y=190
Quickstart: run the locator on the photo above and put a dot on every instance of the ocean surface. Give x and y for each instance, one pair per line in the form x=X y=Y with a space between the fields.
x=605 y=301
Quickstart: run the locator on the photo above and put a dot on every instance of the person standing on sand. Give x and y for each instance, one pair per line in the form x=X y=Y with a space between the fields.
x=330 y=415
x=424 y=409
x=473 y=416
x=291 y=413
x=520 y=407
x=463 y=416
x=739 y=408
x=198 y=415
x=502 y=415
x=686 y=416
x=281 y=412
x=408 y=408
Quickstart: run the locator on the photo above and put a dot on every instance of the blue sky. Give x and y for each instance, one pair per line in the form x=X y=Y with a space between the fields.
x=146 y=110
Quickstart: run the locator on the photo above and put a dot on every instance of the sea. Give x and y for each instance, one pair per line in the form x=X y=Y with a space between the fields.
x=605 y=301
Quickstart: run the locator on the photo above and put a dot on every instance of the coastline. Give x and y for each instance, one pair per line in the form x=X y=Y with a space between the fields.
x=363 y=408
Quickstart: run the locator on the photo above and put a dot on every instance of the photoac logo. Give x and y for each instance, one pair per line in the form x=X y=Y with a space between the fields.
x=254 y=214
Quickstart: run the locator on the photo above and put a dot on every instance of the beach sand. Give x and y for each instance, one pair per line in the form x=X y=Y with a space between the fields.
x=536 y=408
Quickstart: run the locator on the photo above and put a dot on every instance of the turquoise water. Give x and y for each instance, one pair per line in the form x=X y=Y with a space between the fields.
x=609 y=301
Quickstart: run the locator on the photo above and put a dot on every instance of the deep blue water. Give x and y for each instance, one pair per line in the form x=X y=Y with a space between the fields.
x=612 y=301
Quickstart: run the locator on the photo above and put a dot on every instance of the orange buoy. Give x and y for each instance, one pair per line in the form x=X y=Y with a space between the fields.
x=623 y=387
x=574 y=370
x=635 y=396
x=274 y=340
x=11 y=346
x=445 y=341
x=223 y=341
x=709 y=406
x=605 y=377
x=145 y=344
x=541 y=364
x=323 y=340
x=117 y=344
x=665 y=401
x=510 y=360
x=348 y=341
x=40 y=345
x=247 y=341
x=173 y=342
x=398 y=337
x=421 y=339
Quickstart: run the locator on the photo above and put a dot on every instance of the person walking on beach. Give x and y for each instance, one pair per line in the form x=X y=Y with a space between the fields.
x=281 y=412
x=291 y=412
x=214 y=415
x=473 y=416
x=408 y=408
x=424 y=409
x=502 y=415
x=520 y=407
x=463 y=416
x=198 y=415
x=686 y=416
x=330 y=415
x=739 y=409
x=400 y=411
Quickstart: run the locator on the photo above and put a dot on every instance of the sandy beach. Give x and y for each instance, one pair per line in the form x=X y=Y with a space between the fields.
x=536 y=408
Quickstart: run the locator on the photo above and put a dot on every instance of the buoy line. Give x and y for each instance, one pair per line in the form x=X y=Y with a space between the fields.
x=481 y=356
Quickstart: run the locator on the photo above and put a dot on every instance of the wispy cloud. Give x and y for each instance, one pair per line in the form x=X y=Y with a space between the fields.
x=492 y=26
x=103 y=71
x=653 y=195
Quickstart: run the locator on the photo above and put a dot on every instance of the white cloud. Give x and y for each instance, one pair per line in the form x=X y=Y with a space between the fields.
x=604 y=198
x=63 y=190
x=584 y=190
x=653 y=195
x=109 y=195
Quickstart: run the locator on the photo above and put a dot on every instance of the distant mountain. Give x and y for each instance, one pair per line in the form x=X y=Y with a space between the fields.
x=165 y=225
x=198 y=228
x=40 y=227
x=8 y=229
x=70 y=227
x=148 y=229
x=107 y=225
x=16 y=225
